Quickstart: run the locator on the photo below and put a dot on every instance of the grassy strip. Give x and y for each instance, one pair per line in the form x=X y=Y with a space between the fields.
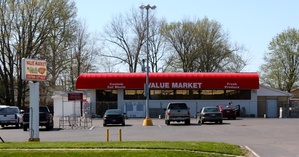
x=158 y=146
x=104 y=153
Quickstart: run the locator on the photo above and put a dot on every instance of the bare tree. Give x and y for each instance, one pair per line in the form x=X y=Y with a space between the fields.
x=84 y=53
x=201 y=46
x=157 y=43
x=29 y=29
x=127 y=35
x=57 y=49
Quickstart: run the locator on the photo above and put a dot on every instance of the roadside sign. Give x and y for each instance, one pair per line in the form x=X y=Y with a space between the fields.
x=75 y=96
x=34 y=70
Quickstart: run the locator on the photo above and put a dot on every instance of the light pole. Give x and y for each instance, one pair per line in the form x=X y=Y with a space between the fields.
x=147 y=121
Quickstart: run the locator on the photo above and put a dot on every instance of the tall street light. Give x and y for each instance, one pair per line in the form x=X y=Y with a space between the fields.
x=147 y=121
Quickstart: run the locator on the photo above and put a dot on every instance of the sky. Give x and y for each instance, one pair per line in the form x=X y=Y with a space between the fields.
x=249 y=23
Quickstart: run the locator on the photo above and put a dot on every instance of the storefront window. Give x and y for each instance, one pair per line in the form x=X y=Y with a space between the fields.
x=155 y=94
x=244 y=94
x=181 y=94
x=167 y=94
x=231 y=94
x=106 y=95
x=218 y=94
x=133 y=94
x=206 y=94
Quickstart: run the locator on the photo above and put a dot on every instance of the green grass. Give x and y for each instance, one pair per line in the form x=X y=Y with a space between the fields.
x=140 y=149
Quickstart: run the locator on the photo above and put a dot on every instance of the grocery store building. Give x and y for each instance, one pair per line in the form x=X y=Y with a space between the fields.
x=126 y=92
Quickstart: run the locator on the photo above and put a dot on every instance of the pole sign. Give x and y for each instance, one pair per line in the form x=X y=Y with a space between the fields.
x=34 y=70
x=74 y=96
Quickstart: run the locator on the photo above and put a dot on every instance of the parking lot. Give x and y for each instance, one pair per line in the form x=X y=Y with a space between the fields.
x=266 y=137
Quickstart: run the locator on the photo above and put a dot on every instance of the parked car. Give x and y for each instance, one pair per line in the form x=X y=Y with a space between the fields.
x=113 y=116
x=178 y=112
x=10 y=115
x=45 y=118
x=209 y=114
x=228 y=111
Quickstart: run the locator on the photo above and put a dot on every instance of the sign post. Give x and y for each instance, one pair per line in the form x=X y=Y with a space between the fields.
x=34 y=70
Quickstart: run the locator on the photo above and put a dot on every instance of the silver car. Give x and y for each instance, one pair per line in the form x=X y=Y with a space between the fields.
x=209 y=114
x=10 y=115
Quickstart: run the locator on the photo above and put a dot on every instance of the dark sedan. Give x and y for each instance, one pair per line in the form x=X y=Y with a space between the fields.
x=113 y=116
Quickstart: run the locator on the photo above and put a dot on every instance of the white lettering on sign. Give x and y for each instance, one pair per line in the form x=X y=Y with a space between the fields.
x=231 y=85
x=186 y=85
x=159 y=85
x=116 y=86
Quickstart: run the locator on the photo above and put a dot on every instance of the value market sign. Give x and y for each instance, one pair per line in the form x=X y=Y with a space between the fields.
x=34 y=70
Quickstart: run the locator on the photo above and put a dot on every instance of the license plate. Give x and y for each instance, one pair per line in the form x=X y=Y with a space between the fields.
x=228 y=111
x=213 y=115
x=179 y=118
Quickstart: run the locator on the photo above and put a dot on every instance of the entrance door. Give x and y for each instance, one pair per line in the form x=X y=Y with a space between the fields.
x=102 y=106
x=272 y=109
x=105 y=99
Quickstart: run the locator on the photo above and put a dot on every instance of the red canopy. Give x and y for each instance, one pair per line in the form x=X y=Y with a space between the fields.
x=168 y=81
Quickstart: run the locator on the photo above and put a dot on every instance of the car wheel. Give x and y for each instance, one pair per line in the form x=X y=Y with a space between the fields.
x=187 y=122
x=235 y=118
x=104 y=124
x=17 y=125
x=48 y=127
x=25 y=127
x=123 y=124
x=198 y=121
x=167 y=122
x=220 y=122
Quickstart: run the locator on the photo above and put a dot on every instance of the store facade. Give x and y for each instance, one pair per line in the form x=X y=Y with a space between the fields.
x=126 y=91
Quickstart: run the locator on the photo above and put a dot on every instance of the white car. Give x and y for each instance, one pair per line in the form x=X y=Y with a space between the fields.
x=10 y=115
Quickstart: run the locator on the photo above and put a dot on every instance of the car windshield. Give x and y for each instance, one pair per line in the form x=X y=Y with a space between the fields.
x=8 y=111
x=41 y=109
x=211 y=110
x=178 y=106
x=113 y=111
x=227 y=106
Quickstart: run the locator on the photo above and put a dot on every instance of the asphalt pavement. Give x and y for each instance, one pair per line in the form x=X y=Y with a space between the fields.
x=267 y=137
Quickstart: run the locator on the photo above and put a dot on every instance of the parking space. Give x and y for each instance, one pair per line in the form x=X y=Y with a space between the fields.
x=267 y=137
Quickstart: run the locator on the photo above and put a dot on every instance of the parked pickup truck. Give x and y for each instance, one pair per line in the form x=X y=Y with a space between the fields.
x=45 y=118
x=178 y=112
x=10 y=115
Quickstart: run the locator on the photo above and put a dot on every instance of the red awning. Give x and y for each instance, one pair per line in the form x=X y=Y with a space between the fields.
x=168 y=81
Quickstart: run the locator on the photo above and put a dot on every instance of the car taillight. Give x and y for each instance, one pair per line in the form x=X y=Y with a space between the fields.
x=168 y=113
x=16 y=117
x=188 y=113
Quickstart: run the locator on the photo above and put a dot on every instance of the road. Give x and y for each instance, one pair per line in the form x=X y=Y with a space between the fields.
x=266 y=137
